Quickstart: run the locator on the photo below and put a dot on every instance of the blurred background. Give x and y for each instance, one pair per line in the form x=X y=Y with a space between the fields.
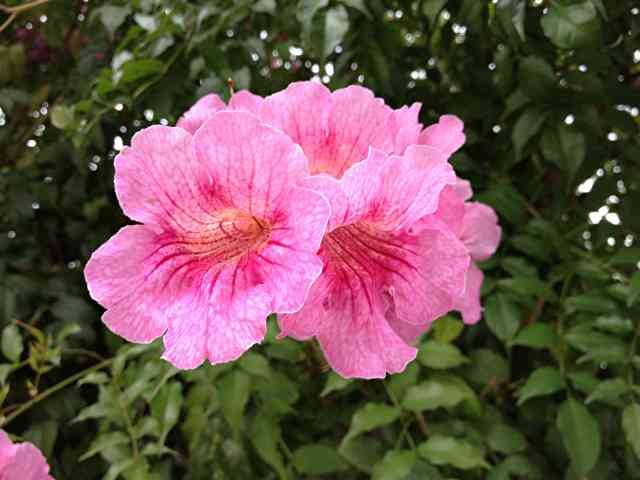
x=546 y=386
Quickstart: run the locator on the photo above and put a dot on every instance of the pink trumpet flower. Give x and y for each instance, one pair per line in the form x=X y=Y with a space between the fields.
x=227 y=237
x=21 y=461
x=474 y=223
x=387 y=273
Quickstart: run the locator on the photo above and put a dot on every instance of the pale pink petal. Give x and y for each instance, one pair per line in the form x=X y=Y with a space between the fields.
x=480 y=230
x=405 y=127
x=289 y=261
x=117 y=278
x=200 y=112
x=359 y=342
x=302 y=112
x=247 y=101
x=446 y=135
x=255 y=164
x=395 y=192
x=21 y=461
x=158 y=179
x=451 y=210
x=463 y=189
x=432 y=287
x=7 y=449
x=469 y=304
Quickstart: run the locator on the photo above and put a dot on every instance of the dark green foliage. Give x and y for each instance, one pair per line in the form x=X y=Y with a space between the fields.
x=546 y=386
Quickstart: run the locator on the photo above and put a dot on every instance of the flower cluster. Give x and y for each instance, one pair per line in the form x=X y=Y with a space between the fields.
x=21 y=461
x=331 y=209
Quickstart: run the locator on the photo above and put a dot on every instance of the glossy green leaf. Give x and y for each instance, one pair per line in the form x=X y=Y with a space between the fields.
x=543 y=381
x=580 y=435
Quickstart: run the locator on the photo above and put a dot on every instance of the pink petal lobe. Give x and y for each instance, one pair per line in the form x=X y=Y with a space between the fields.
x=255 y=164
x=158 y=179
x=446 y=135
x=469 y=303
x=21 y=461
x=200 y=112
x=116 y=276
x=432 y=288
x=480 y=231
x=247 y=101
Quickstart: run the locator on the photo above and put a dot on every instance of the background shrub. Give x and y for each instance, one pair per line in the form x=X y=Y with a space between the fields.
x=545 y=387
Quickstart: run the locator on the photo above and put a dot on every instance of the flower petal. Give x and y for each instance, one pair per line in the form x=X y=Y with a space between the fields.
x=395 y=192
x=289 y=262
x=359 y=342
x=254 y=165
x=200 y=112
x=480 y=230
x=247 y=101
x=446 y=135
x=469 y=303
x=158 y=179
x=432 y=287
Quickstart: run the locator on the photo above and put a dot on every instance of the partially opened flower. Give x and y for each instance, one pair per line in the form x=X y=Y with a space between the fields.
x=475 y=224
x=387 y=274
x=21 y=461
x=228 y=238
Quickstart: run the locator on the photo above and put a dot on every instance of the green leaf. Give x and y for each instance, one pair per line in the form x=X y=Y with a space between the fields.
x=266 y=6
x=485 y=367
x=543 y=381
x=505 y=439
x=395 y=465
x=564 y=146
x=432 y=8
x=135 y=70
x=335 y=383
x=614 y=324
x=502 y=317
x=255 y=364
x=442 y=450
x=608 y=390
x=631 y=426
x=166 y=406
x=362 y=452
x=511 y=15
x=440 y=355
x=440 y=390
x=102 y=441
x=12 y=343
x=318 y=459
x=61 y=116
x=526 y=127
x=399 y=383
x=446 y=329
x=335 y=27
x=590 y=303
x=265 y=437
x=233 y=390
x=572 y=26
x=146 y=22
x=537 y=79
x=537 y=335
x=369 y=417
x=580 y=435
x=112 y=17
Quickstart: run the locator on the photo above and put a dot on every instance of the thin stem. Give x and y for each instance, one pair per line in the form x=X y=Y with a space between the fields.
x=57 y=387
x=14 y=11
x=405 y=429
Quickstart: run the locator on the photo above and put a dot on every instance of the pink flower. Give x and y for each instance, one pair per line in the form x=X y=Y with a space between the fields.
x=475 y=224
x=228 y=237
x=21 y=461
x=387 y=273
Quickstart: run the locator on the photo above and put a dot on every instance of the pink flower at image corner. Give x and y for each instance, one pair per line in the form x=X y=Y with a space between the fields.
x=227 y=237
x=388 y=273
x=21 y=461
x=474 y=223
